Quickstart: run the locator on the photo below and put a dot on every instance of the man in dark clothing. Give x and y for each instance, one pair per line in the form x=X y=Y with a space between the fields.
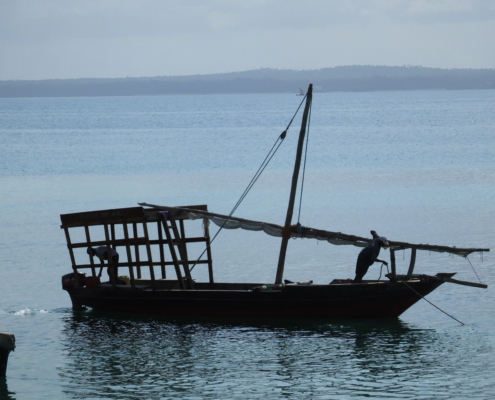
x=369 y=255
x=102 y=254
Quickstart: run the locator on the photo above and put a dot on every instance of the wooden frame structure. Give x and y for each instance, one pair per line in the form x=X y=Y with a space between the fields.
x=136 y=223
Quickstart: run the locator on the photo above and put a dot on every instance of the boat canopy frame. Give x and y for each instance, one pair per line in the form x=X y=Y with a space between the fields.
x=171 y=235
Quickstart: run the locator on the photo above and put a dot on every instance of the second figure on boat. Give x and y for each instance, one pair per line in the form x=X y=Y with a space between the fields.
x=369 y=255
x=102 y=254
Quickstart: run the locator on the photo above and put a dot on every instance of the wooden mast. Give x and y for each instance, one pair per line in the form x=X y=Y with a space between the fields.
x=295 y=176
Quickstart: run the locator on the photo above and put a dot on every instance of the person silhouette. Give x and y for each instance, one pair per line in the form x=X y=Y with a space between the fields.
x=102 y=253
x=369 y=255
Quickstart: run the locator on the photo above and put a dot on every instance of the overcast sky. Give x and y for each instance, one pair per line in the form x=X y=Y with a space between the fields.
x=118 y=38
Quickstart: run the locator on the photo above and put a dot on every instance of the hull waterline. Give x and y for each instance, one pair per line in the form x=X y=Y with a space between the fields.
x=355 y=301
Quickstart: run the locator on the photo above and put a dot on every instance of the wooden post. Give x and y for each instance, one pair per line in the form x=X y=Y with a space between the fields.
x=295 y=176
x=129 y=255
x=411 y=265
x=392 y=262
x=162 y=250
x=150 y=258
x=71 y=254
x=206 y=223
x=181 y=246
x=88 y=240
x=113 y=278
x=136 y=250
x=172 y=250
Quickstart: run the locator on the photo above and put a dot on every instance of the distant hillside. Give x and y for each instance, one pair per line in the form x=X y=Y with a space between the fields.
x=343 y=79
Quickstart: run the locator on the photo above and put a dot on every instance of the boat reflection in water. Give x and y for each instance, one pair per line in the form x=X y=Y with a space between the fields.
x=164 y=357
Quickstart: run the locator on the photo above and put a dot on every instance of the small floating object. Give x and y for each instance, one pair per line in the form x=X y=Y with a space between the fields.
x=7 y=344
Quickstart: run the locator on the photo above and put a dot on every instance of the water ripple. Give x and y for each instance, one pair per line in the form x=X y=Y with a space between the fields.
x=170 y=358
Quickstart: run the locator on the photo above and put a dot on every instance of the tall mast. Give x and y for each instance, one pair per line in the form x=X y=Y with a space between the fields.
x=295 y=176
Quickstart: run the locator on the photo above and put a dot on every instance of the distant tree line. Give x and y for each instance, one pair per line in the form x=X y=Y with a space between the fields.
x=343 y=79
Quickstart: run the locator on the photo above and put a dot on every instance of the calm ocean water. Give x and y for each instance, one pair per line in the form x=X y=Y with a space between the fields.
x=415 y=166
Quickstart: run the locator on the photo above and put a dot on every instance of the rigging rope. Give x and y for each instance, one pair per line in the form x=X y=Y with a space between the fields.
x=467 y=258
x=381 y=267
x=438 y=308
x=256 y=176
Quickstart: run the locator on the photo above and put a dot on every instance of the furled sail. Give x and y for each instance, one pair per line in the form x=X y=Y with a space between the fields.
x=298 y=231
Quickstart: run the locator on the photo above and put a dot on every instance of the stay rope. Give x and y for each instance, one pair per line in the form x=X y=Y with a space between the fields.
x=438 y=308
x=424 y=298
x=256 y=176
x=467 y=258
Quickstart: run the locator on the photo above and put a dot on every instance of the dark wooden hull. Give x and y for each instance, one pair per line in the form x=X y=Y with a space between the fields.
x=367 y=300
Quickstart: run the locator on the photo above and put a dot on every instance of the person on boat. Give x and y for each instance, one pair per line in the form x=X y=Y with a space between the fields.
x=102 y=254
x=369 y=255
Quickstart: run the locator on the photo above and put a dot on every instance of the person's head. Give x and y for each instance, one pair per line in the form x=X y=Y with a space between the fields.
x=90 y=251
x=384 y=242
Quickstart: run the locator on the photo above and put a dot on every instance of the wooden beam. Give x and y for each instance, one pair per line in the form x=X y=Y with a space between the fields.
x=129 y=256
x=88 y=240
x=113 y=278
x=115 y=216
x=136 y=249
x=71 y=254
x=150 y=257
x=411 y=264
x=206 y=223
x=162 y=250
x=393 y=266
x=172 y=251
x=182 y=252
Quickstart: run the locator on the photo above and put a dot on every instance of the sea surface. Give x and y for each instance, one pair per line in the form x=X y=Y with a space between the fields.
x=414 y=166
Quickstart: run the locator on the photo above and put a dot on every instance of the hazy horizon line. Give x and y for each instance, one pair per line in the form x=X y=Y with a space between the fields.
x=256 y=70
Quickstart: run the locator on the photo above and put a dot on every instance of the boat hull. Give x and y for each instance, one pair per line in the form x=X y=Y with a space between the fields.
x=356 y=301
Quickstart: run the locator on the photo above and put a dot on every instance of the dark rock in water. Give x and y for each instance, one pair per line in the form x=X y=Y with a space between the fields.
x=7 y=344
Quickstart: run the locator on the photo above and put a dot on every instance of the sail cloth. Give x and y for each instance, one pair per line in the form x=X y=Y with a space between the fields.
x=298 y=231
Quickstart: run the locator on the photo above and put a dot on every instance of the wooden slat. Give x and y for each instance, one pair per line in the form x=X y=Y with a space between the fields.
x=393 y=266
x=206 y=223
x=182 y=253
x=113 y=278
x=115 y=216
x=134 y=241
x=172 y=251
x=71 y=254
x=115 y=243
x=129 y=257
x=88 y=240
x=136 y=250
x=411 y=264
x=162 y=250
x=150 y=258
x=141 y=264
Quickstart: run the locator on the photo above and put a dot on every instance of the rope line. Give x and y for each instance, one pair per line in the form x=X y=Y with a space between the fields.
x=467 y=258
x=381 y=268
x=265 y=162
x=256 y=176
x=438 y=308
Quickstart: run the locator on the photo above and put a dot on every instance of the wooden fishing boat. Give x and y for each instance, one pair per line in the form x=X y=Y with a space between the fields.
x=151 y=241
